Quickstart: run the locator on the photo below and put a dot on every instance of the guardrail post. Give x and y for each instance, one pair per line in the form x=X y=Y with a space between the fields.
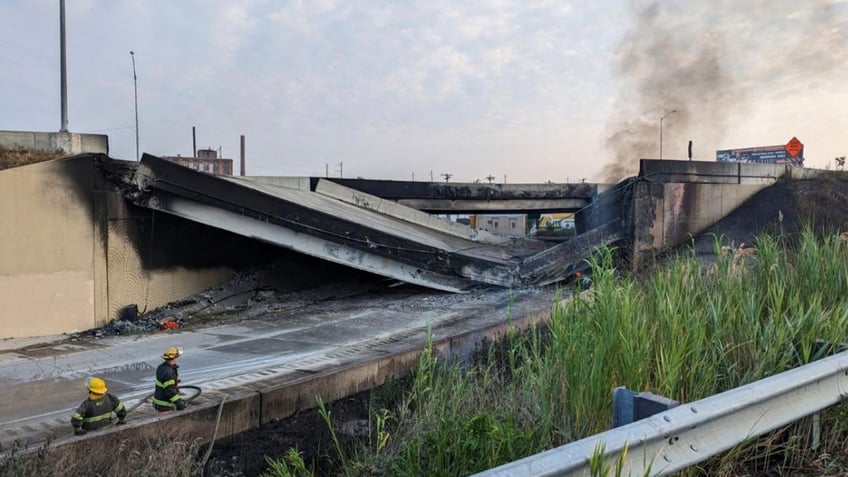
x=629 y=406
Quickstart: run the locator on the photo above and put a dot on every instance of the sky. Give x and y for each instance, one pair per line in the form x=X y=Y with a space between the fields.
x=515 y=90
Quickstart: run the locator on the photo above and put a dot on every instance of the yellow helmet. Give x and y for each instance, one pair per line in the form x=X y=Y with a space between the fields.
x=96 y=385
x=172 y=352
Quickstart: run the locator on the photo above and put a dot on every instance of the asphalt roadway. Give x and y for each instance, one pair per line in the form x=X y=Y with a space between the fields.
x=42 y=381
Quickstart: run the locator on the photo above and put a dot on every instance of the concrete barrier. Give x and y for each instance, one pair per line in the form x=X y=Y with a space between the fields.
x=71 y=143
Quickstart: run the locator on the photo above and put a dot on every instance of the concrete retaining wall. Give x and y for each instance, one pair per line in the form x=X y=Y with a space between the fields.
x=69 y=252
x=52 y=259
x=668 y=215
x=675 y=200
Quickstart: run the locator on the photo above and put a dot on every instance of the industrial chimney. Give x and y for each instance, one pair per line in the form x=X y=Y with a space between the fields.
x=242 y=155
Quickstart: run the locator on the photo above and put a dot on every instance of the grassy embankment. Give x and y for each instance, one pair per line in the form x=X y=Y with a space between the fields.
x=689 y=331
x=16 y=157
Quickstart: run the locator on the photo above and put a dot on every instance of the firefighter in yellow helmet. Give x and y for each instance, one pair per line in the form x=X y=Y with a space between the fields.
x=166 y=396
x=96 y=412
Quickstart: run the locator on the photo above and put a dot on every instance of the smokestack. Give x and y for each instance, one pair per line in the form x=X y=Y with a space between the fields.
x=242 y=156
x=193 y=142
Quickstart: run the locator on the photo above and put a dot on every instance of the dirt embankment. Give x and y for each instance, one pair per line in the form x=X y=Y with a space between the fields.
x=17 y=157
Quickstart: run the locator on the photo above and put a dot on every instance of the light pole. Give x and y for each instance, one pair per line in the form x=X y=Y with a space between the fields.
x=661 y=120
x=63 y=66
x=135 y=89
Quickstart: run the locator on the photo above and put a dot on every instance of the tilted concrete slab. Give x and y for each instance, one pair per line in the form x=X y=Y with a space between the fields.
x=563 y=260
x=331 y=229
x=409 y=214
x=300 y=183
x=377 y=204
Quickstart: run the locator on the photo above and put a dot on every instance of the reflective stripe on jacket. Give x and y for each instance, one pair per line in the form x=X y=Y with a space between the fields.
x=96 y=412
x=167 y=391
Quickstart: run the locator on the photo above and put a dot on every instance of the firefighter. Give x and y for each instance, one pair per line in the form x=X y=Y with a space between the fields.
x=96 y=412
x=166 y=396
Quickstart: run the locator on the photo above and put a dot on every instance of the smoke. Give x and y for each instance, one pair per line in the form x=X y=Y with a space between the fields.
x=711 y=62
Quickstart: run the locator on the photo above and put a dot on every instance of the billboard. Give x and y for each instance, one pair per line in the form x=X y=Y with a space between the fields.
x=765 y=154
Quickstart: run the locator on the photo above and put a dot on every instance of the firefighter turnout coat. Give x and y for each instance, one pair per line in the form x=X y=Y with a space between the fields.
x=166 y=397
x=96 y=412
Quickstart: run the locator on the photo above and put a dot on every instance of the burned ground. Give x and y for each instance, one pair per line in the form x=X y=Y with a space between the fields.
x=783 y=209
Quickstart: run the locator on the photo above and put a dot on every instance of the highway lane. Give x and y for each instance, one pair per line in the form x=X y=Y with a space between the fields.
x=40 y=386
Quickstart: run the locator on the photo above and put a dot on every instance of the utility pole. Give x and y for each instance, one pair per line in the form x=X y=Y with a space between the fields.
x=431 y=176
x=413 y=177
x=327 y=169
x=490 y=178
x=447 y=176
x=339 y=167
x=63 y=66
x=135 y=89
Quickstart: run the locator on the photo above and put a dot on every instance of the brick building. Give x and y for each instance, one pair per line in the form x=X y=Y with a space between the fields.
x=206 y=161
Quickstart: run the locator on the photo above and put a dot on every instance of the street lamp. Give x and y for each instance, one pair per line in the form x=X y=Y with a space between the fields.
x=661 y=120
x=135 y=89
x=63 y=69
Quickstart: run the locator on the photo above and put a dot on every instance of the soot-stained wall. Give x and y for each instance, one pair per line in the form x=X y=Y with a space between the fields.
x=74 y=252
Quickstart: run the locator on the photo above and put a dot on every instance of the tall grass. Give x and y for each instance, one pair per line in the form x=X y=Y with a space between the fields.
x=689 y=330
x=173 y=453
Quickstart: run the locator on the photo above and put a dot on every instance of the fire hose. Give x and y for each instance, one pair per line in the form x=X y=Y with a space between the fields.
x=187 y=400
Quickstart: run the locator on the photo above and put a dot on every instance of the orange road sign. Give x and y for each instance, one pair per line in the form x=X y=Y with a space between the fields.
x=793 y=147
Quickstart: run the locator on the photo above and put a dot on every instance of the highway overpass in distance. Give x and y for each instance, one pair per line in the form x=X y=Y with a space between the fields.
x=480 y=198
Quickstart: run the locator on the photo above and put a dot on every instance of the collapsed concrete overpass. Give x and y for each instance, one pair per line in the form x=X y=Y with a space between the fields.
x=93 y=236
x=329 y=221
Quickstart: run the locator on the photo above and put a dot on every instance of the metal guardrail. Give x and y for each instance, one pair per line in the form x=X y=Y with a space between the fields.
x=693 y=432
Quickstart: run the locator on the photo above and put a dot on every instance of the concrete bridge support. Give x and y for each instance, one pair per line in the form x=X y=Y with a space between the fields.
x=672 y=201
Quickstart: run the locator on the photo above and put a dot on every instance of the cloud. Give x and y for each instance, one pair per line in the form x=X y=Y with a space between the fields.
x=497 y=84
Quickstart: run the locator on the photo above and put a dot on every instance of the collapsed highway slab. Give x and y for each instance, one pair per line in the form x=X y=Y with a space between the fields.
x=398 y=243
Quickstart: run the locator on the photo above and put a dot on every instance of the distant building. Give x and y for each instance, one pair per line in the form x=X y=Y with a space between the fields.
x=206 y=161
x=509 y=225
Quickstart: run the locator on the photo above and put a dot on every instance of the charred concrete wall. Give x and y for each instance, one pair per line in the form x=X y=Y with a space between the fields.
x=74 y=253
x=675 y=200
x=143 y=270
